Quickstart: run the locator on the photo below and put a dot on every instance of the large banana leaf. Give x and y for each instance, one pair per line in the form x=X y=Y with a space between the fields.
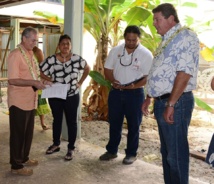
x=203 y=105
x=136 y=15
x=96 y=76
x=101 y=17
x=53 y=18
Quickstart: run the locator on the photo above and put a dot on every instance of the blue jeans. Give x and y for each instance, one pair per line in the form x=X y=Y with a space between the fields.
x=125 y=103
x=173 y=138
x=69 y=107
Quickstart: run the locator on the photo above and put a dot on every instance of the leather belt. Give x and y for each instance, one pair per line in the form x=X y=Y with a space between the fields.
x=163 y=96
x=133 y=82
x=126 y=89
x=168 y=95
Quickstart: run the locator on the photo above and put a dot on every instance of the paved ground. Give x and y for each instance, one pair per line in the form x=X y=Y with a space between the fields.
x=85 y=168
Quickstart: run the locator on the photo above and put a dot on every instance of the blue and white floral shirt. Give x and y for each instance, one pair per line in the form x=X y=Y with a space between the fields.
x=180 y=54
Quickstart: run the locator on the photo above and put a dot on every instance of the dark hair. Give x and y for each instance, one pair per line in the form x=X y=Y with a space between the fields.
x=62 y=37
x=26 y=32
x=167 y=9
x=132 y=29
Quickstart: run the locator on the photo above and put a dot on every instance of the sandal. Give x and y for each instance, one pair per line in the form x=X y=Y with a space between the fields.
x=53 y=148
x=45 y=127
x=69 y=155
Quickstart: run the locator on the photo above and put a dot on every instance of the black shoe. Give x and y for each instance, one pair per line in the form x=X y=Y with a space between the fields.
x=69 y=155
x=53 y=148
x=108 y=156
x=129 y=160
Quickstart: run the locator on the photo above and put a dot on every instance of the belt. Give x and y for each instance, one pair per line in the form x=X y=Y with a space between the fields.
x=133 y=82
x=125 y=89
x=163 y=96
x=168 y=95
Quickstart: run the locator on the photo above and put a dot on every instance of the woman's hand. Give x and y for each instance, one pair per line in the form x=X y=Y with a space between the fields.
x=78 y=85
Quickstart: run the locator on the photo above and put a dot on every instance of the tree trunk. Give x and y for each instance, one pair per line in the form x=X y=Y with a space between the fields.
x=95 y=96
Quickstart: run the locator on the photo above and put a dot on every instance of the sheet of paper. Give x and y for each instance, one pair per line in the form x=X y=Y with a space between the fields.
x=55 y=91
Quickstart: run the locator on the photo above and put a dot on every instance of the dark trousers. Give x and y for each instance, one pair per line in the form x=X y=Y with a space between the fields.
x=125 y=103
x=69 y=107
x=21 y=135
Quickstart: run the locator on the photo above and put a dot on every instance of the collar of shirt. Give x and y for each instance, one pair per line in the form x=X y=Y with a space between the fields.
x=171 y=32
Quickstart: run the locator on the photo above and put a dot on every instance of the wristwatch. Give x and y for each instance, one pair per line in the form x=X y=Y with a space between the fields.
x=167 y=104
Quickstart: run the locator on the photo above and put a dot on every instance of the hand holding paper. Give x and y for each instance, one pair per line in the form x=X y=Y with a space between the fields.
x=56 y=90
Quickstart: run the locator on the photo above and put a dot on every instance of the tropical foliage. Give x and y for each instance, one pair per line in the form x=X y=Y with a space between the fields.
x=105 y=20
x=133 y=12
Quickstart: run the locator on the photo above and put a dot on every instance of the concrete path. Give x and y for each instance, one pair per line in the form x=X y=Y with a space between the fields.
x=85 y=168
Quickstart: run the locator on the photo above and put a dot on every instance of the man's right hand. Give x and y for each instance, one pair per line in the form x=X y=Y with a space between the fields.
x=145 y=106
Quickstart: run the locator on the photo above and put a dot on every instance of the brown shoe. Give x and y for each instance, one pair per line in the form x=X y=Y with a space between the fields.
x=23 y=171
x=31 y=163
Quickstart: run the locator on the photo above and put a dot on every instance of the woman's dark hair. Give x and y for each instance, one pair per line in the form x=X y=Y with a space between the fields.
x=167 y=9
x=65 y=36
x=132 y=29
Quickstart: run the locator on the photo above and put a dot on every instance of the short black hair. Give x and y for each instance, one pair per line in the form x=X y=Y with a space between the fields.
x=167 y=9
x=132 y=29
x=62 y=37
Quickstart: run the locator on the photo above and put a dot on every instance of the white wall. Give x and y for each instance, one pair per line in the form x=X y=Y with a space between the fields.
x=89 y=54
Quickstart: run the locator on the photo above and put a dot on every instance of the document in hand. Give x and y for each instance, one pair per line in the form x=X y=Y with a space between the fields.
x=56 y=90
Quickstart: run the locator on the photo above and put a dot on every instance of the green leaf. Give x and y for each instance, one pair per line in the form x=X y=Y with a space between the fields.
x=50 y=16
x=203 y=105
x=97 y=77
x=136 y=15
x=190 y=4
x=189 y=20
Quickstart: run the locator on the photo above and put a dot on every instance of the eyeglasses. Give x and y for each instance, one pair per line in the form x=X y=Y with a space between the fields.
x=124 y=55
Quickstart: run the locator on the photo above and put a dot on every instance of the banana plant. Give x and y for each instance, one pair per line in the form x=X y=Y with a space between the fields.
x=105 y=21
